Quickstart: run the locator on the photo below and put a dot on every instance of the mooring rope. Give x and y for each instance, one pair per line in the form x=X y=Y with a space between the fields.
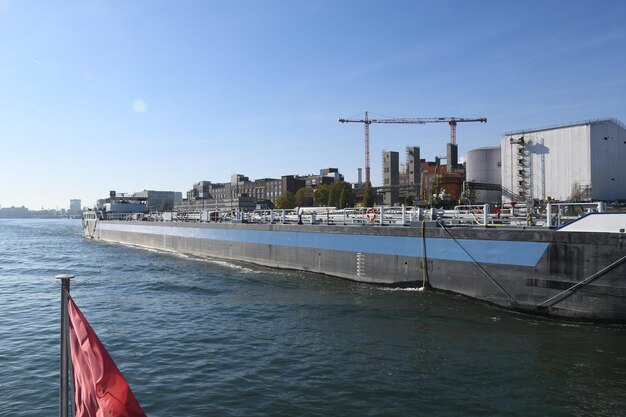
x=478 y=265
x=92 y=233
x=581 y=283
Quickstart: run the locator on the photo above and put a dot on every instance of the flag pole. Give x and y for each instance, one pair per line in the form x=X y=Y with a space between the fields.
x=65 y=347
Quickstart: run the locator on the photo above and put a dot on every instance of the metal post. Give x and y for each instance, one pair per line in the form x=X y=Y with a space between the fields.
x=549 y=215
x=486 y=210
x=382 y=215
x=65 y=347
x=403 y=215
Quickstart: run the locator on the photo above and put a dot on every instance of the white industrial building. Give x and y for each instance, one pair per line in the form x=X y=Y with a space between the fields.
x=582 y=161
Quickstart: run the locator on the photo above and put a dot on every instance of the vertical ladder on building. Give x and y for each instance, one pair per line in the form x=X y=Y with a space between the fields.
x=522 y=168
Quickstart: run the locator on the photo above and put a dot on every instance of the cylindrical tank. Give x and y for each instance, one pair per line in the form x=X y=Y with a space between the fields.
x=451 y=183
x=483 y=165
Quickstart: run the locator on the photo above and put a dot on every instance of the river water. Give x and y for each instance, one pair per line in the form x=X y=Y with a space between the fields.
x=213 y=338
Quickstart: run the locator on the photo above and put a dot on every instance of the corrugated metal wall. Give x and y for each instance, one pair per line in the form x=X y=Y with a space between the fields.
x=608 y=157
x=553 y=161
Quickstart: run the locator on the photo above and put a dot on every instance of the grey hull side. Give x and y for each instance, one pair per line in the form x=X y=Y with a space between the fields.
x=513 y=268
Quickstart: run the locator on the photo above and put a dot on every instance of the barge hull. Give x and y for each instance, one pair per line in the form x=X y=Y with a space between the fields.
x=513 y=268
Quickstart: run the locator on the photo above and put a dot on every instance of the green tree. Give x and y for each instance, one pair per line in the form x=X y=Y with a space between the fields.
x=408 y=201
x=333 y=196
x=342 y=199
x=166 y=205
x=368 y=198
x=346 y=196
x=320 y=195
x=286 y=200
x=304 y=197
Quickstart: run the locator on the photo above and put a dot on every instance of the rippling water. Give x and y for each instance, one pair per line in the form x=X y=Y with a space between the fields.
x=211 y=338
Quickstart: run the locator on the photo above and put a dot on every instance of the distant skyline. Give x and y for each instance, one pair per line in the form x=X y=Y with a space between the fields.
x=127 y=96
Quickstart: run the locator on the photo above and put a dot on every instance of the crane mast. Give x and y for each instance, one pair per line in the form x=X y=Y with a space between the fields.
x=367 y=150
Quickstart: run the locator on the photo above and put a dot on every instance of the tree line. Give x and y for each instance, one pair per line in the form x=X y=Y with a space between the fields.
x=339 y=194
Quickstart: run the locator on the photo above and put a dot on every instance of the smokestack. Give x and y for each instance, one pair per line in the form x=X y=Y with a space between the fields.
x=360 y=176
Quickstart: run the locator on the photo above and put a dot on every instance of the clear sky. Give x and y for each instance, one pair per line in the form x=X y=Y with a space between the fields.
x=132 y=95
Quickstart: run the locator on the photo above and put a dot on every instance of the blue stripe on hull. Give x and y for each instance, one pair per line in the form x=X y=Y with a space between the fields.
x=487 y=251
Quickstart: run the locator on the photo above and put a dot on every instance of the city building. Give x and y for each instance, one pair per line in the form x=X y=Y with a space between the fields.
x=452 y=157
x=410 y=172
x=401 y=181
x=243 y=194
x=326 y=176
x=75 y=207
x=430 y=174
x=122 y=203
x=14 y=212
x=410 y=175
x=581 y=161
x=391 y=177
x=160 y=200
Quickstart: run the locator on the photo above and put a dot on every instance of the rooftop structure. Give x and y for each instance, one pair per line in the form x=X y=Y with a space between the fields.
x=160 y=200
x=122 y=203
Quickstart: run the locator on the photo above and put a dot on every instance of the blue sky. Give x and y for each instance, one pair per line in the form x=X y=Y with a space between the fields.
x=132 y=95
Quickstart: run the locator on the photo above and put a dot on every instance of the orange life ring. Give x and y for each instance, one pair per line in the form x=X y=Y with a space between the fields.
x=370 y=214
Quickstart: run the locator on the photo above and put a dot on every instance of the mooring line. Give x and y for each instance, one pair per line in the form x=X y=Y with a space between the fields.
x=478 y=265
x=581 y=283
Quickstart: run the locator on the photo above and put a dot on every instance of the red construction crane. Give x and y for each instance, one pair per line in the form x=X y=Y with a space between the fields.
x=452 y=121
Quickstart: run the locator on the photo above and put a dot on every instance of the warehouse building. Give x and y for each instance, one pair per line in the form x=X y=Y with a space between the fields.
x=581 y=161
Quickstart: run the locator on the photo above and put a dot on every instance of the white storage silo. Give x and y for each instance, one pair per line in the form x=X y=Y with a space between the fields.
x=483 y=165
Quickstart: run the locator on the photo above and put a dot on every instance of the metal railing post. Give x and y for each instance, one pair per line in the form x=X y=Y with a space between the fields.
x=486 y=209
x=65 y=347
x=549 y=215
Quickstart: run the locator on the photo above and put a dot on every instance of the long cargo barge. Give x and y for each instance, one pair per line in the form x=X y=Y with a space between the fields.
x=577 y=271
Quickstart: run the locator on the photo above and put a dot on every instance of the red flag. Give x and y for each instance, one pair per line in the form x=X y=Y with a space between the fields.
x=100 y=389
